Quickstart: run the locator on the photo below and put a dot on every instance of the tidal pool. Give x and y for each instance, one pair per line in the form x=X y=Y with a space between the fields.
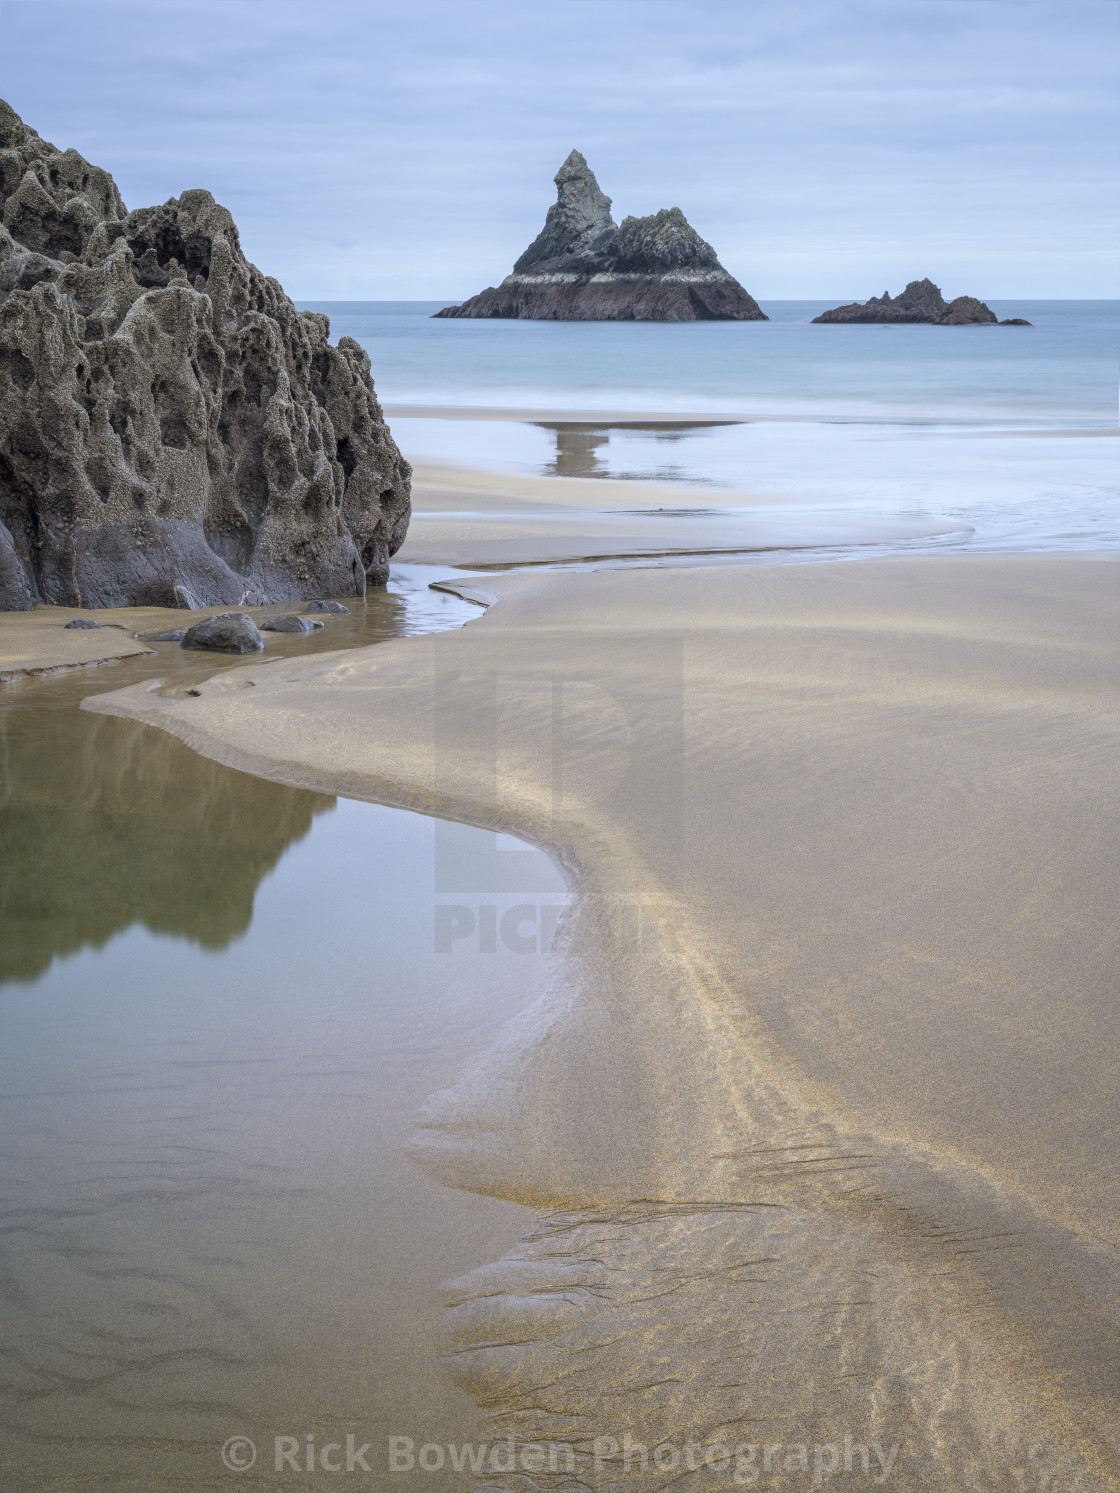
x=222 y=1000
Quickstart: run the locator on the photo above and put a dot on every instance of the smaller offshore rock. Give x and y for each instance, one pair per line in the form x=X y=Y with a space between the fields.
x=227 y=632
x=328 y=606
x=83 y=622
x=289 y=623
x=920 y=302
x=582 y=266
x=176 y=635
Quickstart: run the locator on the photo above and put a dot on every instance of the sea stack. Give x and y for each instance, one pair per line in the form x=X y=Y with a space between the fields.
x=582 y=266
x=173 y=432
x=921 y=301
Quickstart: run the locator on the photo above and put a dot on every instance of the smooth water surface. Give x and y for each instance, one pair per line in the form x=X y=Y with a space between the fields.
x=1063 y=367
x=222 y=999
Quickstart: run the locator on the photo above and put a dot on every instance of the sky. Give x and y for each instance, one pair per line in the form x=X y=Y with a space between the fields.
x=828 y=149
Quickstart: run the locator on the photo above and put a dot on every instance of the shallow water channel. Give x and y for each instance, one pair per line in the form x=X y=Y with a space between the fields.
x=222 y=1000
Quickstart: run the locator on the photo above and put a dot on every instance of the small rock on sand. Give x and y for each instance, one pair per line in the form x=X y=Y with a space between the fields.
x=176 y=635
x=328 y=606
x=82 y=622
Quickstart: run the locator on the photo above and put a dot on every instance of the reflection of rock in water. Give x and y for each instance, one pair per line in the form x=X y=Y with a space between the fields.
x=104 y=823
x=577 y=448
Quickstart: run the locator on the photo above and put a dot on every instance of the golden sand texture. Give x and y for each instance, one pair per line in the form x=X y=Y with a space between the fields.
x=823 y=1109
x=472 y=519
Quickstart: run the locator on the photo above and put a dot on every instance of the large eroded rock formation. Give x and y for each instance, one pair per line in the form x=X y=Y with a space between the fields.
x=172 y=430
x=921 y=301
x=582 y=266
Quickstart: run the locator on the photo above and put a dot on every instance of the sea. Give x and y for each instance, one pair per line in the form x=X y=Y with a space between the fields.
x=1001 y=429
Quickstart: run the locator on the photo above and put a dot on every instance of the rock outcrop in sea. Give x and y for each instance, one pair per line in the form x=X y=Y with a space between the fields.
x=582 y=266
x=921 y=301
x=173 y=432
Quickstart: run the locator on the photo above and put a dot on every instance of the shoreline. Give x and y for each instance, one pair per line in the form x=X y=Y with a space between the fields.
x=859 y=656
x=670 y=420
x=36 y=642
x=474 y=518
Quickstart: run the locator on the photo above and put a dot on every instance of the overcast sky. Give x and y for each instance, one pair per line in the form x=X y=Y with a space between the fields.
x=826 y=148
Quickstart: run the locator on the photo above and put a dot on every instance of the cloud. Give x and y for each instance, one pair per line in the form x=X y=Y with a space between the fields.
x=826 y=147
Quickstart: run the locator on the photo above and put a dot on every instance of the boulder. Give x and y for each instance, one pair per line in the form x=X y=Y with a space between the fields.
x=173 y=432
x=582 y=266
x=226 y=632
x=289 y=623
x=921 y=301
x=81 y=622
x=328 y=606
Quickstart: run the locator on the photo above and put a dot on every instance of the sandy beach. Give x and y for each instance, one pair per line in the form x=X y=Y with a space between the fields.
x=39 y=642
x=831 y=1054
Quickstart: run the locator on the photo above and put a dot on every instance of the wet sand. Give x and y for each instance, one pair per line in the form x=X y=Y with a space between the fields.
x=38 y=642
x=664 y=419
x=831 y=1064
x=475 y=519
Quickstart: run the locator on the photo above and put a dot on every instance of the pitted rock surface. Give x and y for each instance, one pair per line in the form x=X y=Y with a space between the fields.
x=582 y=266
x=173 y=432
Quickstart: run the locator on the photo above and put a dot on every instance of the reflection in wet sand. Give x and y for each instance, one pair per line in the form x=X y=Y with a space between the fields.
x=584 y=450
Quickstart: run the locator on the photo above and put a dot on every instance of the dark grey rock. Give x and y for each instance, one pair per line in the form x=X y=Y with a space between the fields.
x=920 y=302
x=289 y=623
x=227 y=632
x=176 y=635
x=583 y=266
x=15 y=588
x=1016 y=321
x=81 y=623
x=173 y=431
x=328 y=606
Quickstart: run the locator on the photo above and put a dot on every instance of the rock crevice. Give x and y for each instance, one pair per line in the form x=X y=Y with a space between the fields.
x=583 y=266
x=173 y=431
